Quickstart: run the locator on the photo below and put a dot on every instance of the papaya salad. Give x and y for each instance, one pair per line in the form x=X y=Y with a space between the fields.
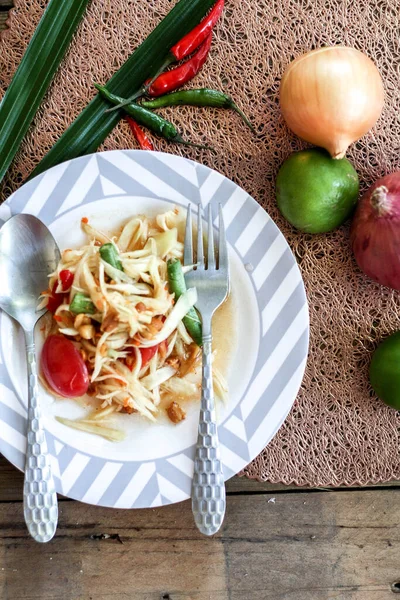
x=124 y=330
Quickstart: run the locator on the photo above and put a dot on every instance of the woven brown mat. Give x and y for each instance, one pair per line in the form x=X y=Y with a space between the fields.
x=337 y=432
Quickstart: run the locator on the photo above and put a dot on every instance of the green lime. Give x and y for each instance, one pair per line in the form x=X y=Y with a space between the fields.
x=384 y=371
x=316 y=193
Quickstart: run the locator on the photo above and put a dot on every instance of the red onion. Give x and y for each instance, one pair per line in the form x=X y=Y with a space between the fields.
x=375 y=231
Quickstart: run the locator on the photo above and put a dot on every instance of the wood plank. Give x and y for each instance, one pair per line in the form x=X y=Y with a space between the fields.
x=11 y=481
x=241 y=485
x=317 y=546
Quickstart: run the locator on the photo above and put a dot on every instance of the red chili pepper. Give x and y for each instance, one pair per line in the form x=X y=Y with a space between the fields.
x=171 y=80
x=66 y=278
x=55 y=300
x=140 y=136
x=194 y=38
x=148 y=353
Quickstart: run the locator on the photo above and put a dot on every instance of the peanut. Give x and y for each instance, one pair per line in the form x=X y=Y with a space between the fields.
x=155 y=326
x=67 y=319
x=175 y=412
x=110 y=321
x=81 y=320
x=157 y=323
x=86 y=331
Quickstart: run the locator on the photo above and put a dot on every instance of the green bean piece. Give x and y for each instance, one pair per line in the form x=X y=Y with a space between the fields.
x=177 y=286
x=109 y=254
x=202 y=97
x=82 y=304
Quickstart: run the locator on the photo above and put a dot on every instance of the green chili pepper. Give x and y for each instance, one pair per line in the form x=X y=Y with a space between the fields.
x=82 y=304
x=202 y=97
x=177 y=286
x=109 y=254
x=149 y=119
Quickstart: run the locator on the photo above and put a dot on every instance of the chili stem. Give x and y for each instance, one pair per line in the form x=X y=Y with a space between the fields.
x=179 y=140
x=129 y=100
x=143 y=90
x=235 y=107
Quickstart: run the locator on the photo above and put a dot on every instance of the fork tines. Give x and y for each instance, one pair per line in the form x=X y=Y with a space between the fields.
x=188 y=258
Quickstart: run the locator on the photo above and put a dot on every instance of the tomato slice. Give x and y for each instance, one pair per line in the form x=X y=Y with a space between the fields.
x=64 y=368
x=55 y=300
x=66 y=278
x=148 y=353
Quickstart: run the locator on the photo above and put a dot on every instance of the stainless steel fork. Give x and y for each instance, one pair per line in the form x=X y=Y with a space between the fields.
x=211 y=279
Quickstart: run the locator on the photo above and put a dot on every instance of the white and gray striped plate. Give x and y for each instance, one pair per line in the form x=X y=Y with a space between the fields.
x=154 y=465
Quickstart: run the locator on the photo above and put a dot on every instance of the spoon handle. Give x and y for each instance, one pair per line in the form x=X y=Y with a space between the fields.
x=40 y=498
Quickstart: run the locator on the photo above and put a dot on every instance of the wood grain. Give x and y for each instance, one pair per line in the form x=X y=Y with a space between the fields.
x=11 y=481
x=243 y=485
x=11 y=485
x=316 y=546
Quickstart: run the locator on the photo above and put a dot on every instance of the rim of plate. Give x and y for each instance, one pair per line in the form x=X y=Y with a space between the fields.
x=282 y=307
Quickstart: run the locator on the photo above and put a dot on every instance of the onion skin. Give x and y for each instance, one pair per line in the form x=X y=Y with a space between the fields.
x=331 y=97
x=375 y=232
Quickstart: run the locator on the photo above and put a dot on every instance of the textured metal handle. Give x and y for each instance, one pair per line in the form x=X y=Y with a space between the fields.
x=40 y=498
x=208 y=491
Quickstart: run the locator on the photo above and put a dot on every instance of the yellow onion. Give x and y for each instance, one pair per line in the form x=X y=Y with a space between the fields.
x=331 y=97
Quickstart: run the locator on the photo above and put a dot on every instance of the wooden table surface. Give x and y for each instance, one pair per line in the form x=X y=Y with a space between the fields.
x=277 y=543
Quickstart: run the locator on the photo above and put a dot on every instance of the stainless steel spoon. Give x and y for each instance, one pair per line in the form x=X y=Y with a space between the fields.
x=28 y=253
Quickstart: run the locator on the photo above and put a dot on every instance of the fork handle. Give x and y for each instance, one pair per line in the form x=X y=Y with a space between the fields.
x=208 y=489
x=40 y=498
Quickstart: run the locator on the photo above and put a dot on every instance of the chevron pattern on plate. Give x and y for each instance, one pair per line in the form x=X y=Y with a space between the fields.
x=282 y=314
